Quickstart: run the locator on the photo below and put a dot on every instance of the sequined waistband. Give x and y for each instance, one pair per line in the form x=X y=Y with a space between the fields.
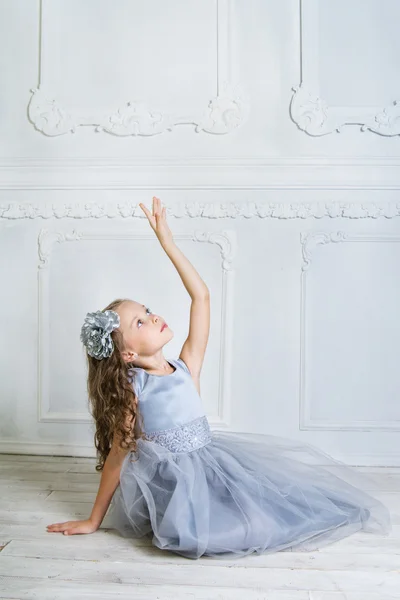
x=185 y=438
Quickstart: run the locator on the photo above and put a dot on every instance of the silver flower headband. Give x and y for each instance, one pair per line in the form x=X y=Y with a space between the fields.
x=96 y=333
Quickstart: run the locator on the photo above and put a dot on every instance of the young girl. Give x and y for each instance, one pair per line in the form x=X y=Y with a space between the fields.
x=199 y=492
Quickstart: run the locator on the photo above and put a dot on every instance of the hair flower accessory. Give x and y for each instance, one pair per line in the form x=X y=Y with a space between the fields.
x=96 y=333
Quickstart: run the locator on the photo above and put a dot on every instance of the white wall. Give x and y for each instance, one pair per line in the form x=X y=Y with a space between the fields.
x=294 y=226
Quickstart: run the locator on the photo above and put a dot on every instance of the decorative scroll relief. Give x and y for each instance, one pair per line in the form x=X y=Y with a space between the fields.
x=313 y=115
x=308 y=108
x=205 y=210
x=225 y=240
x=225 y=112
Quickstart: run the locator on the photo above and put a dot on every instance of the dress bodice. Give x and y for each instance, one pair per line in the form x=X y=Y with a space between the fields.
x=167 y=401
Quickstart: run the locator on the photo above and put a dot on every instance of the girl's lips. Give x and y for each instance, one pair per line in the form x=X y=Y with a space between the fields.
x=164 y=327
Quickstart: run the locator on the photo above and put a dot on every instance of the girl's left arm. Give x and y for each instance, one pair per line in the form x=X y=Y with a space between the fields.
x=194 y=348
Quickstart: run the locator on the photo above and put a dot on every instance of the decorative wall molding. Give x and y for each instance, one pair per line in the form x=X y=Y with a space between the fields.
x=310 y=241
x=310 y=111
x=205 y=210
x=186 y=162
x=200 y=173
x=33 y=448
x=313 y=115
x=225 y=112
x=225 y=240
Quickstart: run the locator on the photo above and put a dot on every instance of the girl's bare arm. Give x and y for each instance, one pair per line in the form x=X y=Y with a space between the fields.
x=108 y=484
x=194 y=348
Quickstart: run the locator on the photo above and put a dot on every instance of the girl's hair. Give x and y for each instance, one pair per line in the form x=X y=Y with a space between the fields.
x=112 y=400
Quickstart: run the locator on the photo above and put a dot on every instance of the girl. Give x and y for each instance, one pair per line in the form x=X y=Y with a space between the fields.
x=199 y=492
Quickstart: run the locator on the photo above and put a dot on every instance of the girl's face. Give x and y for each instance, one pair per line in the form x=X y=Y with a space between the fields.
x=144 y=332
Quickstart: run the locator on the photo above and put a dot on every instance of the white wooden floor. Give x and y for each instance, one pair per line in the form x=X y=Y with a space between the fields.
x=37 y=490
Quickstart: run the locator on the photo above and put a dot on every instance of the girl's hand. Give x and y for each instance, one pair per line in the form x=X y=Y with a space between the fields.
x=73 y=527
x=158 y=221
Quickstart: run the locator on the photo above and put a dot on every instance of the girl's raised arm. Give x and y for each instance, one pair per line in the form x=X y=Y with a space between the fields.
x=194 y=348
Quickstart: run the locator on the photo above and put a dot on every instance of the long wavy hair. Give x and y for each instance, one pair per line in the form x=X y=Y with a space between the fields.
x=112 y=400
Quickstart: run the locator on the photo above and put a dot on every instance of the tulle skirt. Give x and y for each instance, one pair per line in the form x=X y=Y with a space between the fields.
x=242 y=494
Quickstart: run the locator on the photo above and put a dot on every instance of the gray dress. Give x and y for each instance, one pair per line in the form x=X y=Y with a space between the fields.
x=201 y=492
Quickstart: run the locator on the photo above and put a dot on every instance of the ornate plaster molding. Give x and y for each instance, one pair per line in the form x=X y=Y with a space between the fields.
x=308 y=108
x=225 y=240
x=313 y=115
x=205 y=210
x=226 y=111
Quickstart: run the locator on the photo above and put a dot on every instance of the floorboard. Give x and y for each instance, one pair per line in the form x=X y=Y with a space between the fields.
x=36 y=564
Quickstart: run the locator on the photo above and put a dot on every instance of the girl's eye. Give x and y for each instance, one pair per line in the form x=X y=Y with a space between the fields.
x=140 y=322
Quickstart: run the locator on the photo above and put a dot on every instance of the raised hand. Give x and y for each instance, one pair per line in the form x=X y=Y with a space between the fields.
x=158 y=221
x=73 y=527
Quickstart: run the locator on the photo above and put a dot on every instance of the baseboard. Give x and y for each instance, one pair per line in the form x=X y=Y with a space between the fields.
x=388 y=459
x=74 y=450
x=46 y=449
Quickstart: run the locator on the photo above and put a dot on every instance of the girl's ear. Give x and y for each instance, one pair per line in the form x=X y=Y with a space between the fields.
x=129 y=356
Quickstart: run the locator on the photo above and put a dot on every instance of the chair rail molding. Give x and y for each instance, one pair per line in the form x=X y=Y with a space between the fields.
x=228 y=110
x=226 y=242
x=310 y=111
x=246 y=173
